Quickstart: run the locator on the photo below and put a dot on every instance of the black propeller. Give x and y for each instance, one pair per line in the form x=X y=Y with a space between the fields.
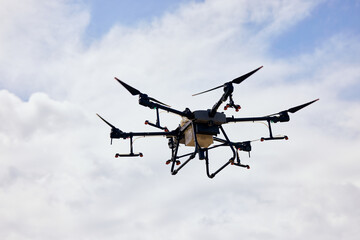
x=236 y=80
x=115 y=132
x=134 y=92
x=112 y=126
x=297 y=108
x=283 y=116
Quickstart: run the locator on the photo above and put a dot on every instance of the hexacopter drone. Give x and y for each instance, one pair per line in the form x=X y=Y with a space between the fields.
x=199 y=129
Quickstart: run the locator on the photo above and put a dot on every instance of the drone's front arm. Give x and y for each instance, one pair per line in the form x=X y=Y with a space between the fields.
x=144 y=101
x=152 y=103
x=125 y=135
x=130 y=135
x=117 y=134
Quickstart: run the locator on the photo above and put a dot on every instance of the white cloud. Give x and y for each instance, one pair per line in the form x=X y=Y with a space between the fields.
x=58 y=176
x=35 y=37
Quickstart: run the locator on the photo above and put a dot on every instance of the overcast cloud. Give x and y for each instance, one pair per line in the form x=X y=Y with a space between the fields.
x=58 y=176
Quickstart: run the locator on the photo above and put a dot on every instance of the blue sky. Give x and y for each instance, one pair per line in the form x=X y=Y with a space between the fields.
x=58 y=60
x=104 y=14
x=327 y=19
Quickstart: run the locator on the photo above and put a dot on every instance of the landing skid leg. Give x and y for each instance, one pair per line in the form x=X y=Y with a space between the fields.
x=231 y=160
x=212 y=175
x=174 y=155
x=174 y=158
x=192 y=156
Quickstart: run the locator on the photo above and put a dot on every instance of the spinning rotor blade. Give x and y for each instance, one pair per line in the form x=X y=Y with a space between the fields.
x=297 y=108
x=134 y=92
x=294 y=109
x=115 y=132
x=112 y=126
x=236 y=80
x=207 y=90
x=245 y=76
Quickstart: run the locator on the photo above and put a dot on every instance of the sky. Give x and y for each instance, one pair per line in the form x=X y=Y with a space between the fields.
x=58 y=175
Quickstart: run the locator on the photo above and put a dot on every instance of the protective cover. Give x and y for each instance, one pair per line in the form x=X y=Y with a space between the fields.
x=203 y=140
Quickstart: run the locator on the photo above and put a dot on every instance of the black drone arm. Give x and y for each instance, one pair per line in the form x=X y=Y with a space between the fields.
x=130 y=136
x=148 y=134
x=152 y=103
x=117 y=133
x=282 y=116
x=246 y=119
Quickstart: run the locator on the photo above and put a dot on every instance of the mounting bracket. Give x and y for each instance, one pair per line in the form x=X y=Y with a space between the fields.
x=131 y=154
x=157 y=124
x=271 y=137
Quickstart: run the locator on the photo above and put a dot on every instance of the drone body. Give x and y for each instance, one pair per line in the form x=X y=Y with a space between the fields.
x=199 y=129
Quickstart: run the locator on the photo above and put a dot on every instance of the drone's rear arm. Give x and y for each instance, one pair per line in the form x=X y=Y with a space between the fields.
x=248 y=119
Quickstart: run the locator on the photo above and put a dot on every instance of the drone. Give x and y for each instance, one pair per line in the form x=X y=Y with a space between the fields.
x=200 y=129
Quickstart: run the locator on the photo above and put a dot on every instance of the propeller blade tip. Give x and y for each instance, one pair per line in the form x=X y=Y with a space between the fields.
x=314 y=100
x=297 y=108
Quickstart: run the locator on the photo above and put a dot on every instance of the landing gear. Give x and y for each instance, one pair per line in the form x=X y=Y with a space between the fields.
x=203 y=154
